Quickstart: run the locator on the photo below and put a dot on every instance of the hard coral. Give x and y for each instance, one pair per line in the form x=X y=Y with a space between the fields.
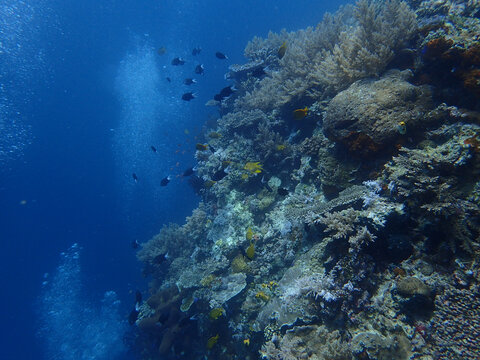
x=360 y=145
x=471 y=81
x=366 y=115
x=364 y=51
x=436 y=48
x=456 y=324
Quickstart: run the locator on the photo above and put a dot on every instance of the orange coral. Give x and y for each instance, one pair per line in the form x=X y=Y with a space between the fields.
x=471 y=56
x=473 y=142
x=436 y=48
x=360 y=144
x=471 y=81
x=398 y=271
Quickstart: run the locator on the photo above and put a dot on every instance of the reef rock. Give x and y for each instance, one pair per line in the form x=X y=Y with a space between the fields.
x=232 y=285
x=372 y=345
x=411 y=286
x=373 y=114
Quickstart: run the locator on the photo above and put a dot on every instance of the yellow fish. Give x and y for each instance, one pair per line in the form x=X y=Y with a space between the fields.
x=282 y=50
x=253 y=167
x=216 y=313
x=209 y=183
x=249 y=234
x=250 y=252
x=299 y=114
x=212 y=341
x=201 y=147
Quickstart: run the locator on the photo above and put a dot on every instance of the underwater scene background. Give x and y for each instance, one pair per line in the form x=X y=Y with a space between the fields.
x=240 y=180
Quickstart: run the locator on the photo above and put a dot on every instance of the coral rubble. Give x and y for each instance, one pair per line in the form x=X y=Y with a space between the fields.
x=350 y=232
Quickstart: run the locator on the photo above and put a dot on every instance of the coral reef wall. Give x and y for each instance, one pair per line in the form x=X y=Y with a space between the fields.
x=340 y=198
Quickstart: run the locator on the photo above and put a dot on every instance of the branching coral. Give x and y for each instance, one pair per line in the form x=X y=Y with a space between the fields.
x=429 y=176
x=171 y=238
x=435 y=182
x=347 y=224
x=341 y=49
x=303 y=341
x=243 y=122
x=292 y=76
x=383 y=27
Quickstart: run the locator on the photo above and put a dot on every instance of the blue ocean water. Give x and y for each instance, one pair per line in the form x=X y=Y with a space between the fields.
x=83 y=96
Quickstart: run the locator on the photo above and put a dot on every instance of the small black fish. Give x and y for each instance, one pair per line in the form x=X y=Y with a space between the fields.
x=160 y=259
x=135 y=178
x=165 y=181
x=133 y=317
x=199 y=69
x=188 y=96
x=189 y=81
x=135 y=244
x=196 y=183
x=178 y=61
x=154 y=149
x=190 y=171
x=219 y=175
x=282 y=191
x=138 y=297
x=221 y=56
x=265 y=183
x=227 y=91
x=196 y=51
x=168 y=79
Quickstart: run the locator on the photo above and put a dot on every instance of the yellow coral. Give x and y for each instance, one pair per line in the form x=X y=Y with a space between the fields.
x=253 y=167
x=262 y=295
x=270 y=285
x=239 y=264
x=208 y=280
